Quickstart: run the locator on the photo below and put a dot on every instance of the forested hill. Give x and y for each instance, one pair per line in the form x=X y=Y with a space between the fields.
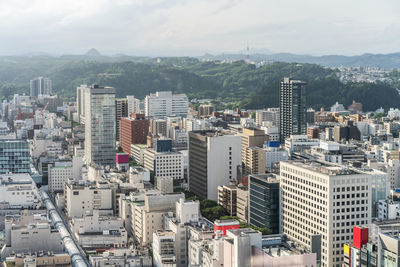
x=238 y=83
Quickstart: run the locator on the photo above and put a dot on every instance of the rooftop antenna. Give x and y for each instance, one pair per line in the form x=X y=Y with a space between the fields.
x=247 y=53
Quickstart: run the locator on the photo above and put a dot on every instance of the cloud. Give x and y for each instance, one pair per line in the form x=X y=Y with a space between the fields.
x=193 y=27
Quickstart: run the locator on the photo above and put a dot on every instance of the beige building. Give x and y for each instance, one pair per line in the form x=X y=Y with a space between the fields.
x=242 y=203
x=83 y=198
x=227 y=198
x=148 y=217
x=251 y=137
x=321 y=202
x=254 y=160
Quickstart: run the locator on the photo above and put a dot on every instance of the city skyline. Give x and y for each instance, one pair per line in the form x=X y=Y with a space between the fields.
x=192 y=28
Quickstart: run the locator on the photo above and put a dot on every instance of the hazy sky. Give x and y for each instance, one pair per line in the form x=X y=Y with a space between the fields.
x=194 y=27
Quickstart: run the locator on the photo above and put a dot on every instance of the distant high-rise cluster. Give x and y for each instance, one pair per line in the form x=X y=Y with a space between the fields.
x=40 y=86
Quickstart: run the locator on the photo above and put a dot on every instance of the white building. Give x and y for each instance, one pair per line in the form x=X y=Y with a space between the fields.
x=164 y=248
x=83 y=198
x=93 y=230
x=298 y=143
x=30 y=233
x=164 y=164
x=18 y=191
x=213 y=160
x=59 y=174
x=163 y=104
x=270 y=115
x=388 y=210
x=337 y=107
x=148 y=216
x=133 y=104
x=326 y=200
x=274 y=155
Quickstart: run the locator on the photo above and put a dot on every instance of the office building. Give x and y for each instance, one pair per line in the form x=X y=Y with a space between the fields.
x=164 y=164
x=100 y=125
x=158 y=127
x=30 y=234
x=346 y=132
x=59 y=174
x=133 y=104
x=18 y=191
x=292 y=104
x=213 y=160
x=205 y=110
x=80 y=103
x=121 y=111
x=14 y=156
x=134 y=130
x=163 y=104
x=264 y=202
x=40 y=86
x=322 y=200
x=85 y=197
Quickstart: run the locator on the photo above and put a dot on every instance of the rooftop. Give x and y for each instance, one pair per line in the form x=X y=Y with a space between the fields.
x=324 y=167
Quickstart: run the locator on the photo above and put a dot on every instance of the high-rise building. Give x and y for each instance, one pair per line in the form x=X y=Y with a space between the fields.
x=163 y=104
x=40 y=86
x=14 y=156
x=100 y=125
x=214 y=158
x=133 y=104
x=292 y=114
x=121 y=111
x=264 y=201
x=158 y=127
x=80 y=103
x=320 y=204
x=134 y=130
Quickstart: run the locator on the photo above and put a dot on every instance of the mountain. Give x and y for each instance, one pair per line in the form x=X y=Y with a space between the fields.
x=93 y=52
x=235 y=84
x=386 y=61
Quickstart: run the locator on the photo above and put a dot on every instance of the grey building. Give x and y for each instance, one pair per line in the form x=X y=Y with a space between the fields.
x=264 y=201
x=100 y=125
x=40 y=86
x=346 y=132
x=14 y=156
x=292 y=104
x=121 y=111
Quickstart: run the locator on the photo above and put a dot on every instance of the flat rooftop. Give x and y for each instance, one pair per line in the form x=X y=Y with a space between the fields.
x=324 y=167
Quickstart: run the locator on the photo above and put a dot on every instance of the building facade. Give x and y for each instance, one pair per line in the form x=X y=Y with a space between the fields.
x=100 y=125
x=320 y=204
x=213 y=160
x=163 y=104
x=292 y=104
x=134 y=130
x=264 y=202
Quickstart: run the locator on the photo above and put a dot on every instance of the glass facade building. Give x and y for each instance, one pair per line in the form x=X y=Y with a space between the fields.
x=264 y=202
x=14 y=156
x=100 y=125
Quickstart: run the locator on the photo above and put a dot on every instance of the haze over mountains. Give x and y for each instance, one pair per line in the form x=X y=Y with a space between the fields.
x=386 y=61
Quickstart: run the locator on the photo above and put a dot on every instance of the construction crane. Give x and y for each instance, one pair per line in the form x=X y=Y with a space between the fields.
x=43 y=109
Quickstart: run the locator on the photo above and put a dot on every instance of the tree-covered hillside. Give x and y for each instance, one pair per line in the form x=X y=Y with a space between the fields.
x=239 y=83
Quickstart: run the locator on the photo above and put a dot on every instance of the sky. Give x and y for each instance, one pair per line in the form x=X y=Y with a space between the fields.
x=195 y=27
